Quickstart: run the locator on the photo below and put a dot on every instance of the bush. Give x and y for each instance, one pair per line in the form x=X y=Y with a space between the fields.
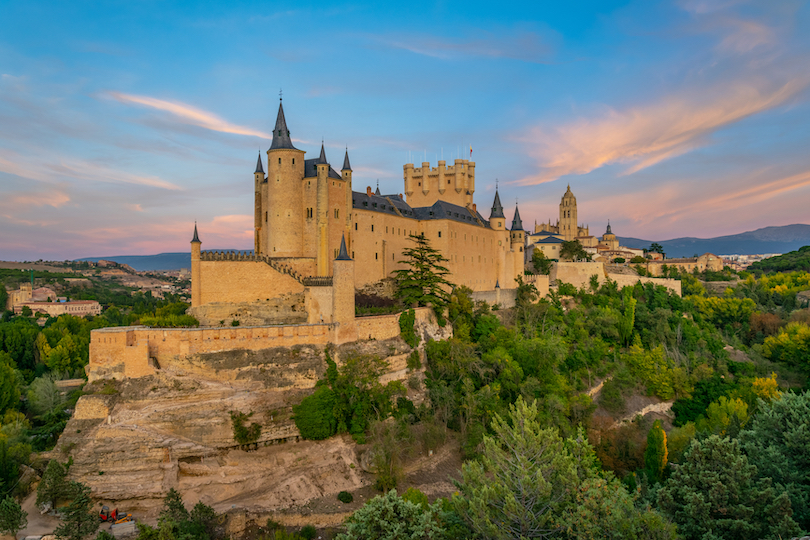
x=242 y=434
x=308 y=532
x=314 y=416
x=345 y=497
x=406 y=328
x=413 y=360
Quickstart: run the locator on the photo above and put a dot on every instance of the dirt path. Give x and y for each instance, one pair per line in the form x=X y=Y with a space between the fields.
x=37 y=523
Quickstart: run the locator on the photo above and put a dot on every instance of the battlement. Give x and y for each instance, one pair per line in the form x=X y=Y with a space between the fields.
x=425 y=185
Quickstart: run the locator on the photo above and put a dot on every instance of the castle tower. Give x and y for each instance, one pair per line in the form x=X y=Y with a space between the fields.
x=259 y=182
x=496 y=218
x=343 y=294
x=281 y=234
x=322 y=214
x=195 y=268
x=568 y=216
x=346 y=174
x=518 y=234
x=454 y=184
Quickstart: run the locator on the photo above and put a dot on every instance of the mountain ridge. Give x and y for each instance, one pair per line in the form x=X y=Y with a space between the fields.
x=774 y=239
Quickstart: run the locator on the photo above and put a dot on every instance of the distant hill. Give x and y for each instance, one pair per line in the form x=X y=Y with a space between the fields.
x=149 y=263
x=766 y=240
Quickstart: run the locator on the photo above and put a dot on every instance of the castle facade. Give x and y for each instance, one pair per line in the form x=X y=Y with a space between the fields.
x=304 y=207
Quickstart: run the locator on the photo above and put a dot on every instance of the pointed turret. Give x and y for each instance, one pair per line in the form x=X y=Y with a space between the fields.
x=517 y=224
x=346 y=165
x=281 y=135
x=322 y=157
x=497 y=208
x=196 y=238
x=608 y=231
x=259 y=168
x=343 y=255
x=377 y=192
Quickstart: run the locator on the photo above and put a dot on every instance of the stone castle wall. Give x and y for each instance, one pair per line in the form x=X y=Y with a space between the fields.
x=579 y=275
x=240 y=280
x=134 y=351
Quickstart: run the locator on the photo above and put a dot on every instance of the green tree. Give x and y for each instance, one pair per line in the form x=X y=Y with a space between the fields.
x=9 y=383
x=777 y=441
x=314 y=416
x=44 y=396
x=655 y=455
x=715 y=494
x=522 y=483
x=12 y=517
x=390 y=517
x=79 y=518
x=173 y=508
x=540 y=263
x=423 y=282
x=628 y=317
x=573 y=250
x=655 y=247
x=54 y=485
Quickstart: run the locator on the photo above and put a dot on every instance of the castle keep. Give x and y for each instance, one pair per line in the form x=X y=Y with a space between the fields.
x=306 y=213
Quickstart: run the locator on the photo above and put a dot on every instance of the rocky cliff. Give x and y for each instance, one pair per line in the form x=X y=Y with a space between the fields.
x=133 y=440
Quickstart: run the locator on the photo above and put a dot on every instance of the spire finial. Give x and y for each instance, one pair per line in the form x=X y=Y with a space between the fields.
x=279 y=94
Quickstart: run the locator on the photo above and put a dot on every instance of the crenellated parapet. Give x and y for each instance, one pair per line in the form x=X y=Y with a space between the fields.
x=249 y=256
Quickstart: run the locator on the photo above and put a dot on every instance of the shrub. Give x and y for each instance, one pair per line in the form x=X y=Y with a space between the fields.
x=235 y=322
x=314 y=416
x=242 y=434
x=308 y=532
x=345 y=497
x=413 y=360
x=406 y=328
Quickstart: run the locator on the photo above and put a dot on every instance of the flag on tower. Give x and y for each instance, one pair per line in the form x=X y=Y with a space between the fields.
x=470 y=151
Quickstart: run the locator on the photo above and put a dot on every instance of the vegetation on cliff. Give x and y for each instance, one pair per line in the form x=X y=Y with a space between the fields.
x=798 y=260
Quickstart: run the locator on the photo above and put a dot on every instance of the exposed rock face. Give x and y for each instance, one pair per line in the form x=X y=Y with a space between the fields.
x=133 y=440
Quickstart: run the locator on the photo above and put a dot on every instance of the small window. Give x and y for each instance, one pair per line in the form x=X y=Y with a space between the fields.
x=365 y=203
x=355 y=226
x=375 y=256
x=440 y=234
x=337 y=213
x=265 y=217
x=279 y=161
x=293 y=161
x=372 y=227
x=448 y=182
x=420 y=184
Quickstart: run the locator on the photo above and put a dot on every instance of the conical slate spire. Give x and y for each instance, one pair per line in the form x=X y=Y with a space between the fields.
x=281 y=135
x=517 y=224
x=259 y=168
x=343 y=255
x=497 y=209
x=196 y=237
x=346 y=165
x=322 y=157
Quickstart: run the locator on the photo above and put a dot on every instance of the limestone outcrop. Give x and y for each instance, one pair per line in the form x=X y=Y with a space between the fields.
x=133 y=440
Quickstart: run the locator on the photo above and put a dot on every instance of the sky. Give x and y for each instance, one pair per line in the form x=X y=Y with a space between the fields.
x=123 y=123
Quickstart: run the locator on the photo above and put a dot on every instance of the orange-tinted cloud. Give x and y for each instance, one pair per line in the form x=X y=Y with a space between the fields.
x=188 y=114
x=643 y=136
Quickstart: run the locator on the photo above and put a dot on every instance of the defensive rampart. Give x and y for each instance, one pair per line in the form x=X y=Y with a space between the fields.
x=579 y=275
x=138 y=351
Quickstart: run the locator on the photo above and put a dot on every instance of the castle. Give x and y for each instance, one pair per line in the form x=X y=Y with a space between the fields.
x=306 y=213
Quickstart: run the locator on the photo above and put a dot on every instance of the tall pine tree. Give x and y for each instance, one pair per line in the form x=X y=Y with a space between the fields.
x=423 y=282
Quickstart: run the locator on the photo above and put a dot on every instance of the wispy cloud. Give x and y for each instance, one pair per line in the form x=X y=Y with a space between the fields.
x=85 y=171
x=643 y=136
x=525 y=46
x=188 y=114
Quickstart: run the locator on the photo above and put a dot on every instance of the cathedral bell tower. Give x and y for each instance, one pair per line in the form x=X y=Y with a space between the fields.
x=568 y=216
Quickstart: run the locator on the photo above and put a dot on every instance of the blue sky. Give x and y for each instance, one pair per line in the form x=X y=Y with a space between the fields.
x=121 y=123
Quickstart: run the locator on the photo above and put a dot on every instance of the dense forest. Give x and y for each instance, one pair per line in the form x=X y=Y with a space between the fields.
x=539 y=399
x=798 y=260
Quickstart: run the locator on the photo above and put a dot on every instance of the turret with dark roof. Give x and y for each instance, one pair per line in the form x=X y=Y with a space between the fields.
x=259 y=168
x=346 y=165
x=281 y=135
x=608 y=231
x=196 y=238
x=517 y=224
x=344 y=254
x=497 y=209
x=322 y=158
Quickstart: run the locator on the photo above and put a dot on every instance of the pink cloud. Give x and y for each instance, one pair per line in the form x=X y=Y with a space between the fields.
x=188 y=114
x=643 y=136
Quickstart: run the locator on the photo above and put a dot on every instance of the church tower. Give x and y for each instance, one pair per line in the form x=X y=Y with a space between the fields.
x=281 y=232
x=568 y=216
